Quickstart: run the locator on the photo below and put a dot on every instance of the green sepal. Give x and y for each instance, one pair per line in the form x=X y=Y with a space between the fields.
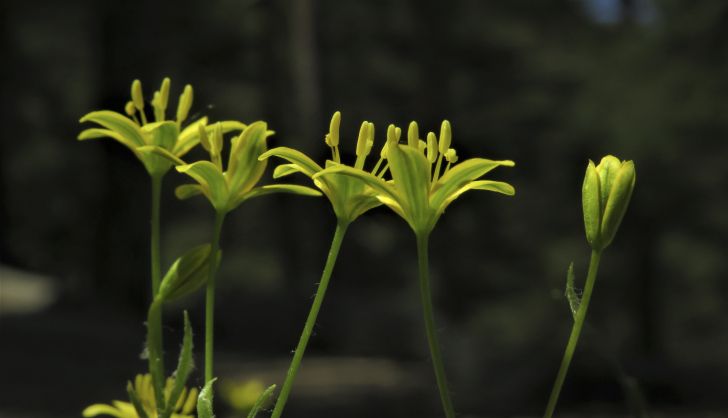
x=619 y=196
x=117 y=123
x=204 y=401
x=261 y=401
x=607 y=170
x=187 y=274
x=135 y=401
x=590 y=197
x=184 y=367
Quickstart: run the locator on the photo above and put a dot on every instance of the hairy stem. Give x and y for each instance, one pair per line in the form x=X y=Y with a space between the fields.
x=311 y=320
x=210 y=297
x=435 y=354
x=575 y=332
x=154 y=318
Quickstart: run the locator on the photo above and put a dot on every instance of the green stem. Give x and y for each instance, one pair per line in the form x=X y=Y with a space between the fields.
x=154 y=318
x=575 y=332
x=435 y=354
x=210 y=297
x=311 y=320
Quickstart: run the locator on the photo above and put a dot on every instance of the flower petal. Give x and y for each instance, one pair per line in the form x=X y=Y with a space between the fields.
x=101 y=409
x=384 y=192
x=154 y=149
x=307 y=165
x=186 y=191
x=244 y=168
x=461 y=174
x=411 y=174
x=275 y=188
x=95 y=133
x=190 y=136
x=118 y=123
x=163 y=134
x=286 y=170
x=212 y=181
x=488 y=185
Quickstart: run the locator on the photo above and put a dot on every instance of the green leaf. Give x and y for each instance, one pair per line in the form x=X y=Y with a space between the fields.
x=461 y=174
x=571 y=296
x=95 y=133
x=619 y=197
x=187 y=274
x=306 y=164
x=244 y=169
x=204 y=401
x=262 y=399
x=212 y=181
x=118 y=123
x=590 y=197
x=134 y=399
x=275 y=188
x=184 y=367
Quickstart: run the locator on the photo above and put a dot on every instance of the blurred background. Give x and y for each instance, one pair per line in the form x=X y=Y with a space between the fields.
x=547 y=84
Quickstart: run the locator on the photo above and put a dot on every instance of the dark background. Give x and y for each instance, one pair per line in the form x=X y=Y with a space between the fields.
x=549 y=84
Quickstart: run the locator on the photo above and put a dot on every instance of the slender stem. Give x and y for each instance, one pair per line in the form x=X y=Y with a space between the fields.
x=311 y=320
x=154 y=319
x=575 y=332
x=210 y=296
x=435 y=354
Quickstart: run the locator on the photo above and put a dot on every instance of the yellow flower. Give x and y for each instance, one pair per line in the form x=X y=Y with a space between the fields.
x=417 y=193
x=226 y=189
x=349 y=197
x=145 y=392
x=140 y=136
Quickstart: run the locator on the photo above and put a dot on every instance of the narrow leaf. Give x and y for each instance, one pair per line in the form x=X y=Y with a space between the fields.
x=204 y=401
x=262 y=399
x=571 y=295
x=134 y=399
x=184 y=367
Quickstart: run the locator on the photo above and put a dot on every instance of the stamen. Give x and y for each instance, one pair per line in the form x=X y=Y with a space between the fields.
x=138 y=98
x=431 y=147
x=413 y=135
x=185 y=103
x=445 y=136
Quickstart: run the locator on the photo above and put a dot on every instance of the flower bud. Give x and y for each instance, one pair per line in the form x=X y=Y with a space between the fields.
x=606 y=192
x=187 y=274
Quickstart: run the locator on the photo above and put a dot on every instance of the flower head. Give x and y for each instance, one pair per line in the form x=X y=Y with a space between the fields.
x=226 y=189
x=141 y=136
x=349 y=197
x=417 y=192
x=145 y=392
x=606 y=192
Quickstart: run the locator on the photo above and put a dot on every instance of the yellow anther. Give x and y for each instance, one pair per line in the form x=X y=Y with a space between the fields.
x=445 y=137
x=361 y=143
x=392 y=134
x=129 y=108
x=136 y=95
x=204 y=140
x=164 y=93
x=421 y=145
x=431 y=147
x=451 y=156
x=333 y=136
x=185 y=104
x=413 y=135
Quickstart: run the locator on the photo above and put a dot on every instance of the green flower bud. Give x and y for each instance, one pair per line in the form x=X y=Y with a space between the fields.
x=606 y=192
x=136 y=95
x=187 y=274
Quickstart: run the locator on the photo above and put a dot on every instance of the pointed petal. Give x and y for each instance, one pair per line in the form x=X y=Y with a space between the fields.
x=204 y=401
x=307 y=165
x=163 y=134
x=186 y=191
x=286 y=170
x=211 y=179
x=275 y=188
x=95 y=133
x=383 y=191
x=154 y=149
x=244 y=168
x=488 y=185
x=118 y=123
x=460 y=175
x=101 y=409
x=411 y=174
